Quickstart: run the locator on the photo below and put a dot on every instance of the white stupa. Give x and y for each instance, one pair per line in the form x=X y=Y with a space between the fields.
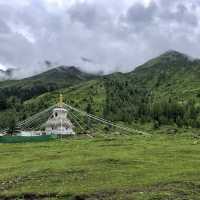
x=58 y=123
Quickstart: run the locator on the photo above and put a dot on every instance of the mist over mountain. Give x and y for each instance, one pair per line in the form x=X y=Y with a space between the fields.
x=20 y=73
x=96 y=35
x=8 y=74
x=165 y=70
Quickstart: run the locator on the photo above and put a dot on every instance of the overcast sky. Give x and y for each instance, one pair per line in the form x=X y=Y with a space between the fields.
x=107 y=35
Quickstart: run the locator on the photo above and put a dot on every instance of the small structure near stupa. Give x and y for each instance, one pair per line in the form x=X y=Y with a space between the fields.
x=59 y=123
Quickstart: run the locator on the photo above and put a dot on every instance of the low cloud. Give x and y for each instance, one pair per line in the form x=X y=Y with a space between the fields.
x=118 y=36
x=140 y=15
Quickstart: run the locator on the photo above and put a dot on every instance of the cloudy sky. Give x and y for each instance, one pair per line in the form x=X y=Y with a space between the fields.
x=106 y=35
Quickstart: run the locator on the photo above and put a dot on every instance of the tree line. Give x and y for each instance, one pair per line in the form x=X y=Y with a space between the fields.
x=125 y=101
x=129 y=102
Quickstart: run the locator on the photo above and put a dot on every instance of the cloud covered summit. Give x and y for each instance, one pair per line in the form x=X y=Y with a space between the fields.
x=110 y=35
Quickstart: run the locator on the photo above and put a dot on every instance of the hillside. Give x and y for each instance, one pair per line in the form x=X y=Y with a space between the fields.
x=53 y=79
x=165 y=90
x=171 y=74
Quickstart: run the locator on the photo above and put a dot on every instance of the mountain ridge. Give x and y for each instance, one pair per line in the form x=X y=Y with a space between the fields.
x=50 y=80
x=171 y=82
x=165 y=66
x=9 y=73
x=168 y=57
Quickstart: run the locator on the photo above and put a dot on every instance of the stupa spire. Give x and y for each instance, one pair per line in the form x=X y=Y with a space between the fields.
x=60 y=100
x=58 y=123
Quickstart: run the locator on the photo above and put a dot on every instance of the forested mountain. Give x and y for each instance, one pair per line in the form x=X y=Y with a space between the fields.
x=171 y=74
x=53 y=79
x=165 y=90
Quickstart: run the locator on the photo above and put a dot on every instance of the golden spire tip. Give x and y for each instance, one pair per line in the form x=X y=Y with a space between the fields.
x=61 y=100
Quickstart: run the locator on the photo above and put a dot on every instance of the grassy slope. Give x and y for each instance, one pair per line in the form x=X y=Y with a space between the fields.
x=110 y=167
x=51 y=80
x=77 y=96
x=171 y=74
x=60 y=76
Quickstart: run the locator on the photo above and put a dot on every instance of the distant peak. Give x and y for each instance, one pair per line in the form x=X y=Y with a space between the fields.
x=174 y=54
x=8 y=72
x=71 y=69
x=167 y=58
x=172 y=51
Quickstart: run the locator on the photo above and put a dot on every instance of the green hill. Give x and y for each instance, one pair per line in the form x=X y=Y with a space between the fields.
x=51 y=80
x=170 y=74
x=165 y=90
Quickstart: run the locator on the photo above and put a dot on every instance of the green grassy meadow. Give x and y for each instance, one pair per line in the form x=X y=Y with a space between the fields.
x=103 y=167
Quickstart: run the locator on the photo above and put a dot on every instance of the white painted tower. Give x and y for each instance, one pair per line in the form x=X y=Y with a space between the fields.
x=58 y=123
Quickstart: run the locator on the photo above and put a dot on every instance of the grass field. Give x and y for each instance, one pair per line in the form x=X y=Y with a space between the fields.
x=104 y=167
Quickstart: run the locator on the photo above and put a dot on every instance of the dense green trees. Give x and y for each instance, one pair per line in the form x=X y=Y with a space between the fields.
x=164 y=90
x=120 y=98
x=125 y=102
x=128 y=102
x=8 y=121
x=174 y=112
